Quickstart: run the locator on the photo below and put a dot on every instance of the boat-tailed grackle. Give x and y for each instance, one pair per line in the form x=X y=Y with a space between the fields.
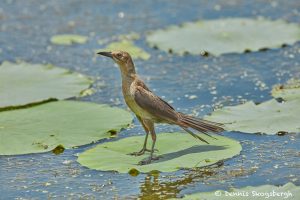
x=150 y=109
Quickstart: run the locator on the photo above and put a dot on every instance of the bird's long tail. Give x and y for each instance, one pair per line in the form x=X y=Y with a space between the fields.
x=200 y=125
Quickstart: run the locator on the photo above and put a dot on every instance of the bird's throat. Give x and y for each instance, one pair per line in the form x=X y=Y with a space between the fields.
x=127 y=71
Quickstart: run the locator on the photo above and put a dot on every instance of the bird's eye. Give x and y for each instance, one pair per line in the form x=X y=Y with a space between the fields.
x=119 y=55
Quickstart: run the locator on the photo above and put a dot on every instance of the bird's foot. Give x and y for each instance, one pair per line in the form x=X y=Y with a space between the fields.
x=141 y=152
x=149 y=160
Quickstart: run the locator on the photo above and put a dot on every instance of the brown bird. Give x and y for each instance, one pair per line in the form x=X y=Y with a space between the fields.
x=150 y=109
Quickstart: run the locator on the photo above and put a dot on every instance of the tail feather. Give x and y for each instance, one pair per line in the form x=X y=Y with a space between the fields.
x=205 y=125
x=200 y=125
x=194 y=135
x=196 y=126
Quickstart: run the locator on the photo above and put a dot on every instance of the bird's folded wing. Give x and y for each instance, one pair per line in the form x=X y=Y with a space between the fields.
x=154 y=105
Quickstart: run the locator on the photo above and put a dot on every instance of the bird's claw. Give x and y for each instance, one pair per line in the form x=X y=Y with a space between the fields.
x=141 y=152
x=154 y=150
x=149 y=160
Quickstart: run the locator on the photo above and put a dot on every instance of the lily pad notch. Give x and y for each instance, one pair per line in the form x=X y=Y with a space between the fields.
x=177 y=151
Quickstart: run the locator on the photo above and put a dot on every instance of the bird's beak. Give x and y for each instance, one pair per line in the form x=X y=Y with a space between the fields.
x=107 y=54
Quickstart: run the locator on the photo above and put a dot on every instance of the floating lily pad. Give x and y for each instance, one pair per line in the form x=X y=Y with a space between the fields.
x=68 y=39
x=288 y=91
x=129 y=46
x=130 y=36
x=232 y=35
x=268 y=117
x=263 y=192
x=25 y=83
x=58 y=125
x=178 y=150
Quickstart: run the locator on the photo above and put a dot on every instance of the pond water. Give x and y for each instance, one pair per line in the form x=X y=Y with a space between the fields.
x=25 y=31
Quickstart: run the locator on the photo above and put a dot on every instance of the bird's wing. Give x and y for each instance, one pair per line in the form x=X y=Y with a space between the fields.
x=154 y=104
x=144 y=86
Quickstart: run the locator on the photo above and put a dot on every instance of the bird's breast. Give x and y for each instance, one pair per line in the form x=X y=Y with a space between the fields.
x=129 y=95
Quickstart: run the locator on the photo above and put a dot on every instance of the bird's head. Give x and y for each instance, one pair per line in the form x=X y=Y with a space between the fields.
x=122 y=58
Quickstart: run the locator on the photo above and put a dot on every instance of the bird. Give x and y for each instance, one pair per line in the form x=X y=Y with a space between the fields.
x=150 y=109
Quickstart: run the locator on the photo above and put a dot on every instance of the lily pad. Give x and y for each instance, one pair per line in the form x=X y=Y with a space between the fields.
x=288 y=91
x=68 y=39
x=129 y=46
x=178 y=150
x=231 y=35
x=58 y=125
x=269 y=117
x=25 y=83
x=130 y=36
x=263 y=192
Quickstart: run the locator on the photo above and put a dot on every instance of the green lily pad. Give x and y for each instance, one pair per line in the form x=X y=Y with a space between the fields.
x=263 y=192
x=58 y=125
x=25 y=83
x=269 y=117
x=68 y=39
x=129 y=46
x=288 y=91
x=178 y=150
x=231 y=35
x=130 y=36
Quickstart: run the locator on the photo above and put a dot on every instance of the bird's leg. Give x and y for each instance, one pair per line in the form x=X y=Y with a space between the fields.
x=153 y=136
x=151 y=157
x=144 y=149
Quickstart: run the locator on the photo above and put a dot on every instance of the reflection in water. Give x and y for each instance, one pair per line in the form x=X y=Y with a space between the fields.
x=154 y=188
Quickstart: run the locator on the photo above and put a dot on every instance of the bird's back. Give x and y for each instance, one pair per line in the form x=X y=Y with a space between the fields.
x=146 y=104
x=129 y=89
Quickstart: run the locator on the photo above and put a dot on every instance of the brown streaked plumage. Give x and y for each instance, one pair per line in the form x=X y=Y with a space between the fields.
x=151 y=109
